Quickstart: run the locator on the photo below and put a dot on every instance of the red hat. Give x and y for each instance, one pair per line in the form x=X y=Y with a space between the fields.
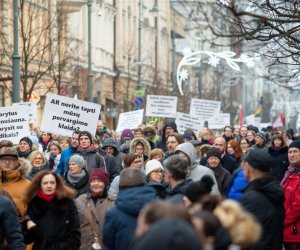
x=99 y=174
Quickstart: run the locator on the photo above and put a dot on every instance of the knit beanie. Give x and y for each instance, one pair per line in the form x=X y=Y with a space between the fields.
x=99 y=174
x=86 y=133
x=78 y=160
x=200 y=188
x=261 y=135
x=214 y=152
x=131 y=177
x=259 y=159
x=127 y=133
x=27 y=140
x=295 y=144
x=152 y=165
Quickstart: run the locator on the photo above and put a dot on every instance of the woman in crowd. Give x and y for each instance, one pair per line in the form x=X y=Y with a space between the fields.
x=53 y=154
x=154 y=177
x=156 y=154
x=251 y=137
x=206 y=136
x=64 y=142
x=77 y=177
x=245 y=145
x=39 y=162
x=92 y=207
x=142 y=147
x=234 y=150
x=53 y=222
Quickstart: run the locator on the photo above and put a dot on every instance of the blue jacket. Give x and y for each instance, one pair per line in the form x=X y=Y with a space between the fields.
x=120 y=221
x=64 y=158
x=237 y=185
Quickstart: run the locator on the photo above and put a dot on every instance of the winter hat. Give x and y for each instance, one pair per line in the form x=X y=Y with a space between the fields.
x=6 y=151
x=34 y=138
x=86 y=133
x=27 y=140
x=259 y=159
x=78 y=160
x=187 y=136
x=295 y=144
x=127 y=133
x=214 y=152
x=261 y=135
x=198 y=189
x=5 y=143
x=99 y=174
x=131 y=177
x=153 y=165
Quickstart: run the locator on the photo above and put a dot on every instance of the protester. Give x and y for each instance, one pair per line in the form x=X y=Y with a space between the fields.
x=53 y=154
x=251 y=137
x=245 y=145
x=53 y=221
x=110 y=147
x=206 y=136
x=64 y=142
x=173 y=140
x=228 y=133
x=156 y=154
x=38 y=162
x=44 y=140
x=142 y=147
x=260 y=141
x=168 y=128
x=150 y=133
x=102 y=132
x=155 y=176
x=243 y=132
x=25 y=148
x=234 y=150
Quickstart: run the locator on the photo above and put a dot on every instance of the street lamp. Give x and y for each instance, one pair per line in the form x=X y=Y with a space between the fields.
x=16 y=56
x=139 y=45
x=90 y=74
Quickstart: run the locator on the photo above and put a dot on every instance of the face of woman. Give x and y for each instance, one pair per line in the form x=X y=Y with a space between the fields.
x=54 y=149
x=157 y=175
x=139 y=149
x=64 y=144
x=277 y=143
x=229 y=149
x=137 y=163
x=244 y=145
x=38 y=161
x=250 y=136
x=96 y=187
x=74 y=168
x=48 y=184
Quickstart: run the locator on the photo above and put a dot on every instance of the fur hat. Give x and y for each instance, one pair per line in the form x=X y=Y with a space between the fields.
x=86 y=133
x=99 y=174
x=259 y=159
x=153 y=165
x=127 y=133
x=78 y=160
x=214 y=152
x=27 y=140
x=131 y=177
x=6 y=151
x=295 y=144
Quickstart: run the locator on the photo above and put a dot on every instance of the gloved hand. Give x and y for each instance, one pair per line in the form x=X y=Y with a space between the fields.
x=52 y=156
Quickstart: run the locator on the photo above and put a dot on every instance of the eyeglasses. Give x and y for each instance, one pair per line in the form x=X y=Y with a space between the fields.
x=228 y=130
x=158 y=171
x=136 y=161
x=8 y=159
x=39 y=159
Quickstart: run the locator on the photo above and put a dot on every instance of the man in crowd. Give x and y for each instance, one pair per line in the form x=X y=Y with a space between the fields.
x=110 y=147
x=260 y=141
x=167 y=129
x=101 y=132
x=228 y=133
x=24 y=148
x=173 y=140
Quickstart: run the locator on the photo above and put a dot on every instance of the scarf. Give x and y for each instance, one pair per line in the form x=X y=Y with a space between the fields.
x=291 y=170
x=75 y=178
x=46 y=197
x=277 y=148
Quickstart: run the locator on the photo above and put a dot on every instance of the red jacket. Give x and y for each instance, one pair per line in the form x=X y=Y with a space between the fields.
x=292 y=208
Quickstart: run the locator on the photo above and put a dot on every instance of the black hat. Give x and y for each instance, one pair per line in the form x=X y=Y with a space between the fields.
x=259 y=159
x=27 y=140
x=86 y=133
x=214 y=152
x=197 y=189
x=295 y=144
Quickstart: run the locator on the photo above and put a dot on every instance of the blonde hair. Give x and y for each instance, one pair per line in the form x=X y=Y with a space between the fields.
x=243 y=228
x=155 y=152
x=34 y=154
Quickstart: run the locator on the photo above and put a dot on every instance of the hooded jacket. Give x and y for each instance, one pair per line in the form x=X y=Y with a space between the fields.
x=146 y=144
x=120 y=221
x=264 y=199
x=119 y=156
x=15 y=183
x=161 y=142
x=196 y=171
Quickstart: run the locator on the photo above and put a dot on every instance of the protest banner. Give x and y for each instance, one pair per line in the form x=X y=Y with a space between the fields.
x=204 y=109
x=63 y=115
x=14 y=123
x=219 y=121
x=161 y=106
x=186 y=121
x=31 y=109
x=130 y=120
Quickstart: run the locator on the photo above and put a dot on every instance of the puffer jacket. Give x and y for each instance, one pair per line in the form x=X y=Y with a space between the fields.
x=196 y=171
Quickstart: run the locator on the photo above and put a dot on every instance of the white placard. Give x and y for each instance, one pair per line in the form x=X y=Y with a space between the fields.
x=63 y=115
x=204 y=109
x=161 y=106
x=32 y=110
x=130 y=120
x=185 y=121
x=14 y=123
x=250 y=119
x=219 y=121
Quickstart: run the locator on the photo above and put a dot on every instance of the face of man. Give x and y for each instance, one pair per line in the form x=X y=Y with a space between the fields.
x=24 y=146
x=74 y=140
x=138 y=134
x=110 y=150
x=8 y=163
x=100 y=126
x=169 y=130
x=243 y=132
x=228 y=132
x=45 y=136
x=84 y=141
x=171 y=144
x=294 y=156
x=220 y=144
x=259 y=140
x=213 y=161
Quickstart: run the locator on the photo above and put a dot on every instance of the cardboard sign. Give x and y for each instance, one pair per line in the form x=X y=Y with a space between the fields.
x=31 y=109
x=161 y=106
x=14 y=123
x=63 y=115
x=185 y=121
x=130 y=120
x=204 y=109
x=219 y=121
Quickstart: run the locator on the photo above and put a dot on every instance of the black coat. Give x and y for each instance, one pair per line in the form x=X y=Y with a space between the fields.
x=10 y=228
x=57 y=225
x=280 y=162
x=264 y=199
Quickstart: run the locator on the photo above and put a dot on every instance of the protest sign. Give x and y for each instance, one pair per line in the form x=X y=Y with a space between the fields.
x=63 y=115
x=186 y=121
x=14 y=123
x=219 y=121
x=130 y=120
x=31 y=109
x=161 y=106
x=204 y=109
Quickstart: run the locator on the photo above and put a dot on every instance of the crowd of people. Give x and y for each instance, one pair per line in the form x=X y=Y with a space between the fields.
x=151 y=188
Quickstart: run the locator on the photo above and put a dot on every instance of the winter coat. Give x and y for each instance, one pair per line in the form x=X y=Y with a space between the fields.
x=119 y=156
x=176 y=194
x=111 y=166
x=57 y=224
x=146 y=145
x=15 y=183
x=82 y=185
x=27 y=154
x=62 y=166
x=227 y=162
x=10 y=228
x=99 y=208
x=120 y=221
x=35 y=170
x=237 y=185
x=279 y=162
x=103 y=135
x=222 y=177
x=196 y=171
x=264 y=147
x=291 y=189
x=264 y=199
x=161 y=142
x=160 y=188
